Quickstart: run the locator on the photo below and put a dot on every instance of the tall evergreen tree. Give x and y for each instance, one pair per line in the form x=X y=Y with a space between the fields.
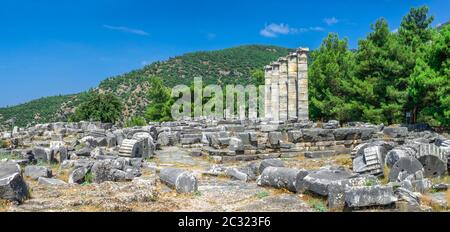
x=381 y=73
x=331 y=87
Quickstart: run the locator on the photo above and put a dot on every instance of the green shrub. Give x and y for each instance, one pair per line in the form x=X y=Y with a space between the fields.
x=105 y=108
x=136 y=121
x=2 y=144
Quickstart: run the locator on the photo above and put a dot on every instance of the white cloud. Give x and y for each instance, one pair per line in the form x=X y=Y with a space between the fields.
x=127 y=30
x=316 y=29
x=273 y=30
x=331 y=21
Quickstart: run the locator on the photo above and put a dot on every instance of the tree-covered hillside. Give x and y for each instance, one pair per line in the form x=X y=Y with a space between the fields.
x=227 y=66
x=47 y=109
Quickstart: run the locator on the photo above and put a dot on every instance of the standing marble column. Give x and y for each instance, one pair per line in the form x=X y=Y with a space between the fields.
x=302 y=84
x=268 y=93
x=292 y=86
x=275 y=92
x=283 y=83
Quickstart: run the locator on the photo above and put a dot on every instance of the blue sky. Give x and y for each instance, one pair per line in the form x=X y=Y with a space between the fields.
x=60 y=47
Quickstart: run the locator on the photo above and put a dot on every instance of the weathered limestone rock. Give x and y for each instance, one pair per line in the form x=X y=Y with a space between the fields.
x=43 y=154
x=12 y=184
x=336 y=190
x=282 y=178
x=317 y=135
x=295 y=136
x=433 y=159
x=148 y=144
x=395 y=155
x=369 y=196
x=410 y=197
x=332 y=124
x=410 y=165
x=270 y=163
x=104 y=170
x=120 y=136
x=50 y=181
x=318 y=181
x=35 y=172
x=319 y=154
x=371 y=162
x=131 y=148
x=396 y=132
x=84 y=152
x=167 y=138
x=78 y=175
x=236 y=174
x=236 y=145
x=182 y=181
x=275 y=138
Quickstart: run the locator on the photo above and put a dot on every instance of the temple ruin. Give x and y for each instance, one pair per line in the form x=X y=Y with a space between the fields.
x=286 y=88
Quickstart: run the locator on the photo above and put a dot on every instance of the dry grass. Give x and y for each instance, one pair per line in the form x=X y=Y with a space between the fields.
x=428 y=201
x=4 y=205
x=344 y=160
x=386 y=172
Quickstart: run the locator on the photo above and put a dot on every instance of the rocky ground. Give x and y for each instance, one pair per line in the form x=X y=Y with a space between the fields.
x=50 y=170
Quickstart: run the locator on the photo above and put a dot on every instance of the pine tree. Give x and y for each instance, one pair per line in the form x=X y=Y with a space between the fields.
x=380 y=71
x=331 y=88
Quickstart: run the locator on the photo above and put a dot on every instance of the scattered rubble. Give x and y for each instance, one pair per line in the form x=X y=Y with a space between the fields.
x=258 y=158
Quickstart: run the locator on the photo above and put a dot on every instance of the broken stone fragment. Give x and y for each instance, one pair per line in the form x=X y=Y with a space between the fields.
x=318 y=181
x=410 y=165
x=332 y=124
x=396 y=132
x=270 y=163
x=369 y=160
x=275 y=138
x=369 y=196
x=78 y=175
x=336 y=190
x=12 y=184
x=84 y=152
x=50 y=181
x=149 y=146
x=282 y=178
x=236 y=145
x=35 y=172
x=406 y=195
x=43 y=154
x=180 y=180
x=236 y=174
x=113 y=170
x=317 y=135
x=434 y=160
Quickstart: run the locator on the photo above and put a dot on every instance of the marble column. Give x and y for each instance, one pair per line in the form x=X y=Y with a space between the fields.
x=302 y=84
x=292 y=86
x=268 y=93
x=275 y=92
x=283 y=83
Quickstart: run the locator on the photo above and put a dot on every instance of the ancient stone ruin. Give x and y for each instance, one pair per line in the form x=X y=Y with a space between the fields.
x=228 y=165
x=286 y=88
